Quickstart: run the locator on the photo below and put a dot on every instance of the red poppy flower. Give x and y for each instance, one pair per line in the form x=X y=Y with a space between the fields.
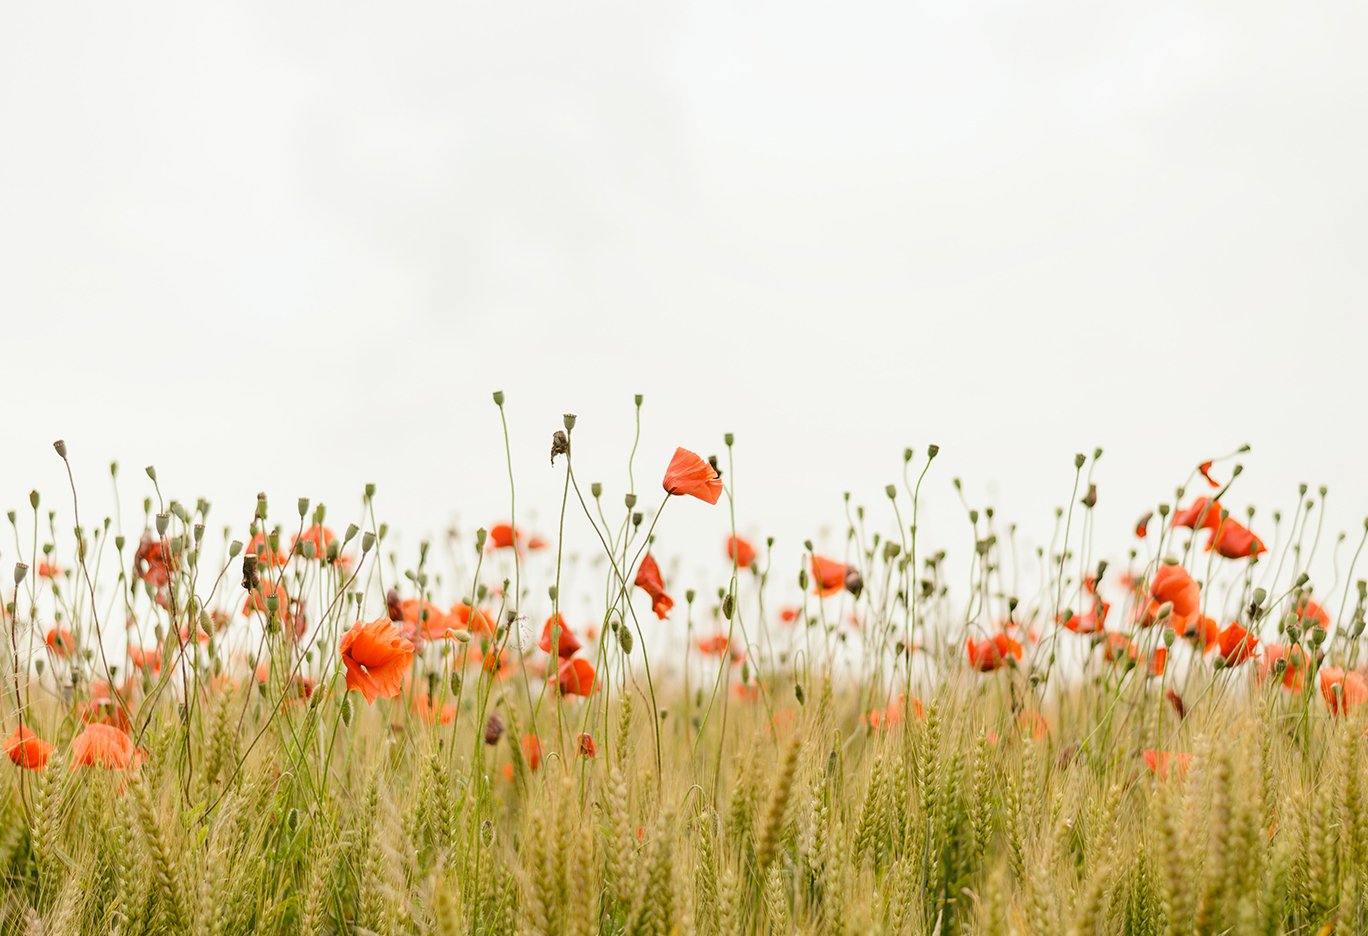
x=689 y=474
x=463 y=617
x=1205 y=469
x=148 y=658
x=991 y=653
x=1294 y=662
x=376 y=656
x=828 y=574
x=789 y=614
x=567 y=644
x=423 y=619
x=428 y=712
x=1235 y=541
x=1173 y=584
x=27 y=750
x=503 y=536
x=1202 y=514
x=266 y=588
x=1090 y=623
x=586 y=746
x=741 y=551
x=532 y=751
x=151 y=562
x=60 y=641
x=100 y=745
x=1142 y=525
x=1343 y=691
x=497 y=663
x=1115 y=646
x=1164 y=763
x=576 y=677
x=1158 y=661
x=1311 y=613
x=1237 y=644
x=1200 y=630
x=49 y=570
x=648 y=580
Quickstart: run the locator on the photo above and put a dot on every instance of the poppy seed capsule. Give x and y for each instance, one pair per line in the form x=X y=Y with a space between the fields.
x=568 y=420
x=498 y=398
x=494 y=729
x=20 y=572
x=596 y=489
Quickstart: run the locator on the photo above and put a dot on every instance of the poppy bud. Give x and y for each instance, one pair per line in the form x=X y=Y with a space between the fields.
x=854 y=582
x=891 y=491
x=802 y=580
x=367 y=541
x=551 y=592
x=560 y=443
x=1165 y=610
x=1302 y=580
x=113 y=469
x=637 y=517
x=728 y=606
x=629 y=500
x=494 y=729
x=907 y=455
x=798 y=693
x=625 y=640
x=455 y=683
x=587 y=748
x=348 y=711
x=689 y=595
x=119 y=542
x=498 y=398
x=932 y=450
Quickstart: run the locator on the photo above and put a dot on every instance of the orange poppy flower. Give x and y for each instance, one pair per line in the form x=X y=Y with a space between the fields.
x=742 y=552
x=829 y=575
x=503 y=536
x=60 y=641
x=1158 y=661
x=100 y=745
x=1164 y=763
x=567 y=644
x=1115 y=646
x=423 y=619
x=1090 y=623
x=1034 y=724
x=1199 y=629
x=318 y=535
x=532 y=751
x=257 y=597
x=576 y=677
x=689 y=474
x=49 y=570
x=497 y=663
x=1173 y=584
x=1343 y=691
x=376 y=656
x=260 y=547
x=1235 y=541
x=1142 y=525
x=148 y=658
x=151 y=562
x=1310 y=613
x=991 y=653
x=1237 y=645
x=1294 y=663
x=586 y=746
x=1202 y=514
x=789 y=614
x=27 y=750
x=463 y=617
x=648 y=580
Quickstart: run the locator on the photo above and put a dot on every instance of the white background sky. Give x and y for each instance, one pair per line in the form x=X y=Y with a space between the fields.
x=294 y=247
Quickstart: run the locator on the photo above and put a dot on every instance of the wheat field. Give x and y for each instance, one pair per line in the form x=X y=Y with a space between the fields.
x=290 y=729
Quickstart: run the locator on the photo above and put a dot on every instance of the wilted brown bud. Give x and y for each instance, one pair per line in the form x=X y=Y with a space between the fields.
x=854 y=581
x=494 y=729
x=560 y=444
x=392 y=605
x=249 y=572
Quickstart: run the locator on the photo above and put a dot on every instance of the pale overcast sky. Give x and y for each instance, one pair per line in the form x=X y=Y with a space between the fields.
x=294 y=247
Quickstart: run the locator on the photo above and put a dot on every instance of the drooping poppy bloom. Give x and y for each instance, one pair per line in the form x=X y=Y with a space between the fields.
x=576 y=677
x=48 y=570
x=587 y=748
x=1290 y=660
x=991 y=653
x=1142 y=525
x=1237 y=645
x=27 y=750
x=1164 y=763
x=742 y=552
x=1311 y=613
x=376 y=655
x=318 y=536
x=60 y=641
x=691 y=475
x=101 y=745
x=567 y=644
x=1117 y=646
x=260 y=547
x=463 y=617
x=1342 y=690
x=828 y=575
x=648 y=580
x=1202 y=514
x=1201 y=631
x=1235 y=541
x=1173 y=584
x=1158 y=661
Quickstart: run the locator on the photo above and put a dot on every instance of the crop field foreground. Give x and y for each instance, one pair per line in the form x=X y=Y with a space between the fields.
x=285 y=726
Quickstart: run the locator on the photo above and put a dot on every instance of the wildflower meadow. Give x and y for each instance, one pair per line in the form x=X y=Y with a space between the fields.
x=281 y=723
